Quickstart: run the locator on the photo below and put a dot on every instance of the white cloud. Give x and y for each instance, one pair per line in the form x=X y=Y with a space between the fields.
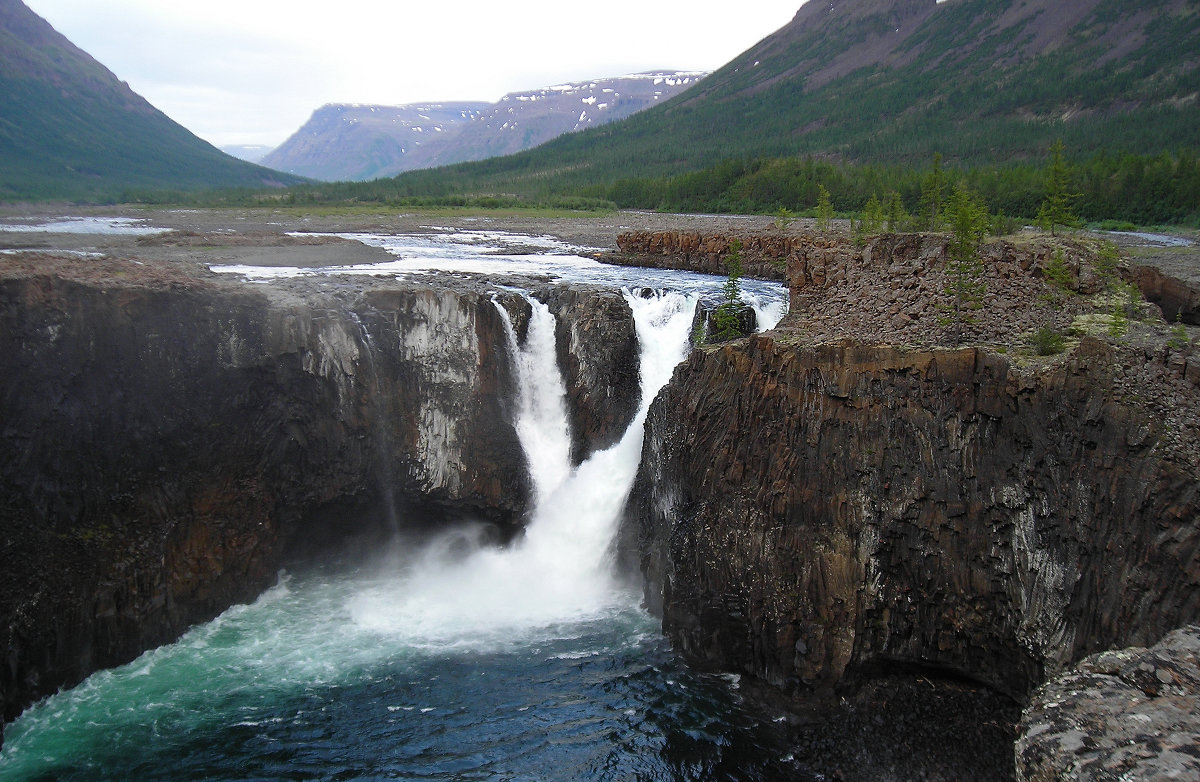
x=251 y=71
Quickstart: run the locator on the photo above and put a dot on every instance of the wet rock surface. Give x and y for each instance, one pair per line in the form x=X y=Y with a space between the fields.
x=1121 y=714
x=174 y=437
x=598 y=353
x=806 y=514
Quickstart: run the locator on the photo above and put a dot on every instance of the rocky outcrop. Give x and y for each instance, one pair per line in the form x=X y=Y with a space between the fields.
x=763 y=255
x=811 y=514
x=598 y=353
x=1122 y=714
x=172 y=440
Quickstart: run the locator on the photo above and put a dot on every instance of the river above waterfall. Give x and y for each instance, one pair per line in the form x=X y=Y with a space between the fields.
x=502 y=254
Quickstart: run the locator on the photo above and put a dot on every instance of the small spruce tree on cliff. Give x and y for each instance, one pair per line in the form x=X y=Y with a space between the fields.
x=897 y=218
x=969 y=224
x=930 y=216
x=1056 y=209
x=726 y=319
x=824 y=209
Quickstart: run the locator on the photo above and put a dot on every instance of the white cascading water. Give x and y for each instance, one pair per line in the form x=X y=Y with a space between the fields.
x=560 y=571
x=768 y=310
x=542 y=424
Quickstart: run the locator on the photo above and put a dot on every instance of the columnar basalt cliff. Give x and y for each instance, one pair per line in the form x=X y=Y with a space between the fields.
x=763 y=255
x=843 y=495
x=173 y=440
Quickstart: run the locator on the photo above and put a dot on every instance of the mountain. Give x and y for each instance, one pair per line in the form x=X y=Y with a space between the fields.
x=344 y=142
x=894 y=81
x=70 y=129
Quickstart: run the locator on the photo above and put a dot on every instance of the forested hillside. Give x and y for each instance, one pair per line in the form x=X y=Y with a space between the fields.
x=875 y=85
x=70 y=129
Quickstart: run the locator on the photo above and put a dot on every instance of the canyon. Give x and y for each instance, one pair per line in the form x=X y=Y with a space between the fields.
x=175 y=438
x=864 y=490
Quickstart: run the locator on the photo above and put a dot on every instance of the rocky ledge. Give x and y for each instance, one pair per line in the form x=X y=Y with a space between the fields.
x=1124 y=714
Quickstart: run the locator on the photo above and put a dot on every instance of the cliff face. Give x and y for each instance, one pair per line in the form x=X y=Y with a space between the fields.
x=807 y=515
x=847 y=493
x=172 y=442
x=763 y=255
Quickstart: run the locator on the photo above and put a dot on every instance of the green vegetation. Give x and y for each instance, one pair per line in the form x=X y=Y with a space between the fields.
x=969 y=224
x=1179 y=336
x=1056 y=209
x=1125 y=190
x=726 y=318
x=933 y=195
x=1058 y=276
x=1047 y=342
x=824 y=209
x=897 y=217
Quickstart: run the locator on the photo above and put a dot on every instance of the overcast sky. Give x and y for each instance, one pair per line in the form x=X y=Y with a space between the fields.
x=252 y=71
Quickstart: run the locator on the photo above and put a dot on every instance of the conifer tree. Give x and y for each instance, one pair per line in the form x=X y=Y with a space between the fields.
x=726 y=319
x=1056 y=209
x=824 y=209
x=896 y=216
x=933 y=195
x=969 y=223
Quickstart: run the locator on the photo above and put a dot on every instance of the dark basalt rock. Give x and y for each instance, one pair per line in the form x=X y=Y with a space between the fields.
x=170 y=442
x=810 y=515
x=598 y=352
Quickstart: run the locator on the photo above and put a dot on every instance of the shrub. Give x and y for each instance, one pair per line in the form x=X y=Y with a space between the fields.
x=1047 y=342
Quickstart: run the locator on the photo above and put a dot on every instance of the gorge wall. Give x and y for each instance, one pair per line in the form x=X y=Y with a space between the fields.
x=876 y=484
x=175 y=439
x=933 y=508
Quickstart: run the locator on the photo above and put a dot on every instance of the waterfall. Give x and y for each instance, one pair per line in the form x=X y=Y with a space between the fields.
x=542 y=424
x=384 y=475
x=560 y=570
x=768 y=310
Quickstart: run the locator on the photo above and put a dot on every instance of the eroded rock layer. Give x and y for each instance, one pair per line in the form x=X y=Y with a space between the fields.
x=171 y=440
x=809 y=514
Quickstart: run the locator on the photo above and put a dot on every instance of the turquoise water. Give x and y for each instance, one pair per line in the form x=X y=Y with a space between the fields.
x=452 y=660
x=307 y=684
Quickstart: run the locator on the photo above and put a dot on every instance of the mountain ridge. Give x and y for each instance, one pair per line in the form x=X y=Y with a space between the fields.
x=69 y=128
x=343 y=142
x=983 y=82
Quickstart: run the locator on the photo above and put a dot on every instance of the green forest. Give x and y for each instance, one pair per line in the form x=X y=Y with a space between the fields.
x=1143 y=190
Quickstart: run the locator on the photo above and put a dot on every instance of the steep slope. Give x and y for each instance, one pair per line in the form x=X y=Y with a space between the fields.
x=982 y=81
x=69 y=128
x=343 y=142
